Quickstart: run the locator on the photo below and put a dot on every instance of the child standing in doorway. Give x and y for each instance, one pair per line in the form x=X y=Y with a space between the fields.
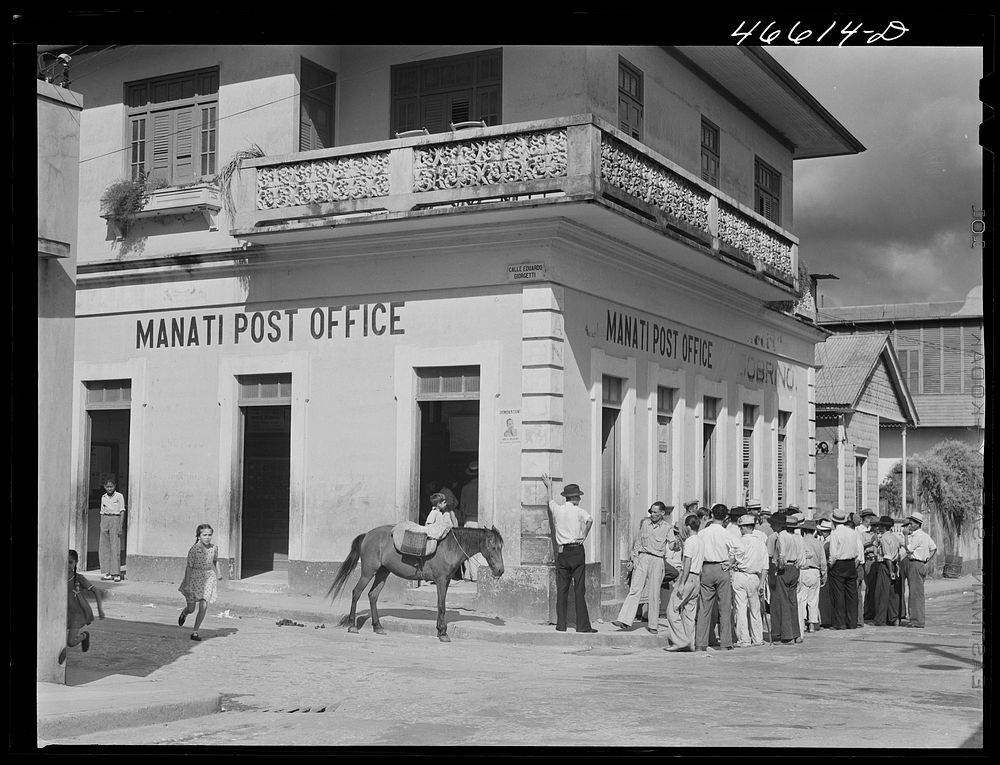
x=78 y=612
x=201 y=575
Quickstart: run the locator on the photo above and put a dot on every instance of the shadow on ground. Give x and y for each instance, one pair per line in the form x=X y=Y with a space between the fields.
x=430 y=615
x=121 y=647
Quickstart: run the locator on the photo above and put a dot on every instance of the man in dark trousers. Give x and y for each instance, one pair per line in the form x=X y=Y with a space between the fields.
x=571 y=524
x=719 y=548
x=846 y=552
x=790 y=553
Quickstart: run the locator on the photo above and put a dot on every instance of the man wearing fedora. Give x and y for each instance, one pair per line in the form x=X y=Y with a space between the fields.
x=749 y=577
x=846 y=553
x=790 y=556
x=920 y=550
x=887 y=572
x=572 y=524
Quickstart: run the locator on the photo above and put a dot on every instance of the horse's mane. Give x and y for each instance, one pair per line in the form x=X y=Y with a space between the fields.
x=470 y=533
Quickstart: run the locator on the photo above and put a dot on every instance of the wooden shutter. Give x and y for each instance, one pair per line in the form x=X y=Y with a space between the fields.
x=137 y=147
x=184 y=147
x=460 y=107
x=931 y=359
x=162 y=160
x=433 y=115
x=975 y=365
x=951 y=359
x=781 y=470
x=663 y=459
x=747 y=463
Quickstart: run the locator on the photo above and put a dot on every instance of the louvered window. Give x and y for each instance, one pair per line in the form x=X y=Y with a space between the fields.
x=265 y=390
x=749 y=418
x=975 y=364
x=664 y=446
x=709 y=152
x=780 y=483
x=172 y=126
x=931 y=366
x=767 y=191
x=951 y=359
x=109 y=394
x=316 y=98
x=629 y=99
x=432 y=94
x=437 y=383
x=859 y=483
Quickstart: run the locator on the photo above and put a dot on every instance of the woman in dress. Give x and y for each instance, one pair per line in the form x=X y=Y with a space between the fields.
x=201 y=575
x=78 y=611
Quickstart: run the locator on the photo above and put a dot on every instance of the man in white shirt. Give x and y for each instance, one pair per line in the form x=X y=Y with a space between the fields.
x=718 y=548
x=748 y=575
x=682 y=608
x=112 y=516
x=572 y=524
x=846 y=552
x=920 y=550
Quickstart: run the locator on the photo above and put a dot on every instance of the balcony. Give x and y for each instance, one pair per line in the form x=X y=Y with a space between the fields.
x=555 y=164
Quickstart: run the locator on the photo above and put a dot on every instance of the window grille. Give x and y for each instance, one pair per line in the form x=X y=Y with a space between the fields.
x=265 y=390
x=109 y=394
x=447 y=383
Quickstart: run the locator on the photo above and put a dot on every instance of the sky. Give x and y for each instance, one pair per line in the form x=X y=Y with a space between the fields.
x=894 y=221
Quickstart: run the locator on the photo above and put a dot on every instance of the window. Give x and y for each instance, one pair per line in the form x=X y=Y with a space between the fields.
x=909 y=362
x=432 y=94
x=317 y=90
x=781 y=491
x=447 y=383
x=664 y=456
x=109 y=394
x=611 y=388
x=709 y=415
x=931 y=367
x=709 y=152
x=767 y=191
x=629 y=99
x=265 y=390
x=749 y=419
x=859 y=482
x=172 y=126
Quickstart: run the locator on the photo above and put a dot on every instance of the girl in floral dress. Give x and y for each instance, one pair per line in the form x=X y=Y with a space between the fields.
x=78 y=611
x=199 y=586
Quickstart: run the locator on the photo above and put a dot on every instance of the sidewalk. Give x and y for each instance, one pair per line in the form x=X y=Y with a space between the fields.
x=89 y=704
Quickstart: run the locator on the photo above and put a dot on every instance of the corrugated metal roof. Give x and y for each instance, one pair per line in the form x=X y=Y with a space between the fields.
x=894 y=312
x=845 y=363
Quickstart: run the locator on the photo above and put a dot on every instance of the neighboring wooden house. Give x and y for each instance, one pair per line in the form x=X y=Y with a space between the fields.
x=859 y=390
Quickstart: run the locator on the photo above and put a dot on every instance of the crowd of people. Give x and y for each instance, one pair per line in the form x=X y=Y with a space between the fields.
x=742 y=573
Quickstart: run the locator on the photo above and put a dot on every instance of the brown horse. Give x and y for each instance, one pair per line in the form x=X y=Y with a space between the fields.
x=379 y=558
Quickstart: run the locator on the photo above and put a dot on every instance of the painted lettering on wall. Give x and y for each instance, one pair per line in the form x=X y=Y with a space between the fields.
x=658 y=339
x=765 y=372
x=275 y=326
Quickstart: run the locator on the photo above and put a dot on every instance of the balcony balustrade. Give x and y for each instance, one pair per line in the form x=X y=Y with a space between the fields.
x=570 y=159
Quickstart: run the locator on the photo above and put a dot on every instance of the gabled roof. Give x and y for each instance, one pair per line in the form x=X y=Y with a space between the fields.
x=846 y=365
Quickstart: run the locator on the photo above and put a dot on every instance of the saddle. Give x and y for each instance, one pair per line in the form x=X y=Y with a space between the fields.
x=410 y=538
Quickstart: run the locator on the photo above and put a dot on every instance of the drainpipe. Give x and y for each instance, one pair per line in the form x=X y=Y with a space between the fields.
x=904 y=471
x=841 y=440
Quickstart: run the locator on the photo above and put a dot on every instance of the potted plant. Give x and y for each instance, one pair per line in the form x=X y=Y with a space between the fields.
x=124 y=198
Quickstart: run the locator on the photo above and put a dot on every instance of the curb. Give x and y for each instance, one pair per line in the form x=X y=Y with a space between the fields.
x=120 y=705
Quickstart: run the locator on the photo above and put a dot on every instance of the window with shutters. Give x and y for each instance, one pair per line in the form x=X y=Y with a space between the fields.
x=909 y=363
x=767 y=191
x=629 y=99
x=781 y=491
x=974 y=363
x=665 y=398
x=710 y=411
x=749 y=419
x=859 y=482
x=317 y=91
x=432 y=94
x=709 y=152
x=172 y=126
x=951 y=358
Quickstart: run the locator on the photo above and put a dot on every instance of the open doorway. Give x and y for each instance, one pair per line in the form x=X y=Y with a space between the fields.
x=448 y=452
x=266 y=482
x=108 y=419
x=611 y=438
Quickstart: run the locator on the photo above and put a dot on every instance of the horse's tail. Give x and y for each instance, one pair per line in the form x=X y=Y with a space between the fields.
x=346 y=568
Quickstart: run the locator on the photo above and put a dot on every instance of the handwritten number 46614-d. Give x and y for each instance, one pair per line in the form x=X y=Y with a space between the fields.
x=770 y=33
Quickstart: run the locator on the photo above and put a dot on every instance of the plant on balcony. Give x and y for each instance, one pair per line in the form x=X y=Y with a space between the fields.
x=225 y=177
x=123 y=199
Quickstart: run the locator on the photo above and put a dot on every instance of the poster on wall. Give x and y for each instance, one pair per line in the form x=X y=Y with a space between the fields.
x=509 y=426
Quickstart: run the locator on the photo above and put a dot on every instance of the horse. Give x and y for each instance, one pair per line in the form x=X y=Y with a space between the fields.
x=379 y=558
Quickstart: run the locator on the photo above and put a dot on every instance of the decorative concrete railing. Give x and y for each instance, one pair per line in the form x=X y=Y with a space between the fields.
x=574 y=158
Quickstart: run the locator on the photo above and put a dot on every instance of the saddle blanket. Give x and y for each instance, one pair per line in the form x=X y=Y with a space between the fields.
x=410 y=538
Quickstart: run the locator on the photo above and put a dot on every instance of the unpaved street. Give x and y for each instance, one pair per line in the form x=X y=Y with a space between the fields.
x=888 y=687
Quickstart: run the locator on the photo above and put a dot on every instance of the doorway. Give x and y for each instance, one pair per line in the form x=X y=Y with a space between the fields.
x=108 y=421
x=611 y=437
x=266 y=449
x=448 y=439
